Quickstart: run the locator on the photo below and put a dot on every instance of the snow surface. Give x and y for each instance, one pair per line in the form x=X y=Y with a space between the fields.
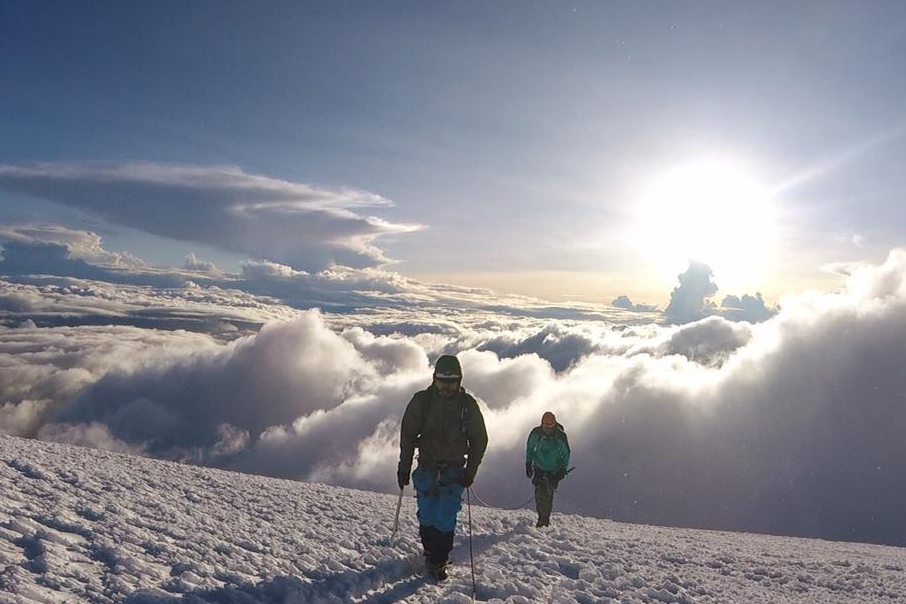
x=81 y=525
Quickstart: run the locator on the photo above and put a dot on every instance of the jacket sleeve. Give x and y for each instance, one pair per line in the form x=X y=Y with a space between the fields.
x=478 y=437
x=409 y=432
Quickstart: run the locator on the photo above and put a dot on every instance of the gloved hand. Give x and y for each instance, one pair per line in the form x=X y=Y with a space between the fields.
x=560 y=474
x=402 y=477
x=529 y=470
x=468 y=477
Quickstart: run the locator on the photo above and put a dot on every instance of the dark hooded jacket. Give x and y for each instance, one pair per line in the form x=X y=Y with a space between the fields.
x=443 y=430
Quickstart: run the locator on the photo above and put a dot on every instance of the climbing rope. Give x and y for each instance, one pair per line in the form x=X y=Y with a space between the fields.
x=512 y=509
x=488 y=505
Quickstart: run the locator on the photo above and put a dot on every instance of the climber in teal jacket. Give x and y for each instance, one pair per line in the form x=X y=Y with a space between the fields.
x=546 y=463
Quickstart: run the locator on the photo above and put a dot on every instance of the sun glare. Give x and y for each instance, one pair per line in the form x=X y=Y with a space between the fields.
x=709 y=211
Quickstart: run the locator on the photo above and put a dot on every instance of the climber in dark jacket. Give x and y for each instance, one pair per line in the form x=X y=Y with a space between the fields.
x=445 y=424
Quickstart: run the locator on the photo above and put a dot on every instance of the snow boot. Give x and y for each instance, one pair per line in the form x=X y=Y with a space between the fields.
x=543 y=521
x=437 y=570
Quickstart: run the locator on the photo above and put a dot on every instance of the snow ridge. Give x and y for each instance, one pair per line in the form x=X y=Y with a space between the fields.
x=81 y=525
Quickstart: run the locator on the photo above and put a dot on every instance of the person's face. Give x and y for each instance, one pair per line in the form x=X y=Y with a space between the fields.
x=446 y=388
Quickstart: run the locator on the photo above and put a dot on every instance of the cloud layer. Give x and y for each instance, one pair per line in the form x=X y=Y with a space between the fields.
x=789 y=426
x=292 y=223
x=44 y=263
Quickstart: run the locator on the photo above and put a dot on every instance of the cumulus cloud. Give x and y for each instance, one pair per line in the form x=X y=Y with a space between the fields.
x=176 y=407
x=626 y=303
x=193 y=263
x=710 y=341
x=622 y=302
x=292 y=223
x=43 y=369
x=690 y=299
x=747 y=308
x=560 y=346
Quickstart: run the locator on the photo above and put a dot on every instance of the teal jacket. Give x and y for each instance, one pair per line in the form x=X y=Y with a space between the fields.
x=548 y=453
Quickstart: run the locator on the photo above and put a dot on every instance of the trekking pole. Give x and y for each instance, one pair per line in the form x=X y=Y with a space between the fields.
x=471 y=559
x=396 y=521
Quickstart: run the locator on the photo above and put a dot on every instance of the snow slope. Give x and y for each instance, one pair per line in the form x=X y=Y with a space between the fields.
x=81 y=525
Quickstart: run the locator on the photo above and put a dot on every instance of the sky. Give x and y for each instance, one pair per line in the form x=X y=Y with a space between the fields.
x=161 y=533
x=521 y=140
x=240 y=238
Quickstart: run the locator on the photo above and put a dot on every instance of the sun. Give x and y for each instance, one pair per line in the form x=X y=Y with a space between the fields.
x=711 y=211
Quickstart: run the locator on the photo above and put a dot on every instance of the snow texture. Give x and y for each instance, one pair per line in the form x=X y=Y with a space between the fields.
x=82 y=525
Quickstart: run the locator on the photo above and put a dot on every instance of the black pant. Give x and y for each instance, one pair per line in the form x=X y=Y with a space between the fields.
x=545 y=485
x=437 y=544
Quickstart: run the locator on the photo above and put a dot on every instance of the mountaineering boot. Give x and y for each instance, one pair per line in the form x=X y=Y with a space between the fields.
x=543 y=521
x=438 y=570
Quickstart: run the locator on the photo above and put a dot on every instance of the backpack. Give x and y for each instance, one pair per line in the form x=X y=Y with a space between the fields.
x=559 y=435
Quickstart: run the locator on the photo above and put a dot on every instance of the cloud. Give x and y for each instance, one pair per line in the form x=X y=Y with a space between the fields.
x=46 y=259
x=689 y=300
x=43 y=370
x=48 y=301
x=622 y=302
x=292 y=223
x=24 y=302
x=80 y=245
x=558 y=345
x=844 y=269
x=627 y=304
x=177 y=406
x=747 y=308
x=385 y=301
x=709 y=342
x=790 y=425
x=193 y=263
x=94 y=435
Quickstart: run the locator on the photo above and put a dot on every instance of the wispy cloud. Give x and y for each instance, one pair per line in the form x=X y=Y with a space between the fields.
x=79 y=244
x=297 y=224
x=50 y=261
